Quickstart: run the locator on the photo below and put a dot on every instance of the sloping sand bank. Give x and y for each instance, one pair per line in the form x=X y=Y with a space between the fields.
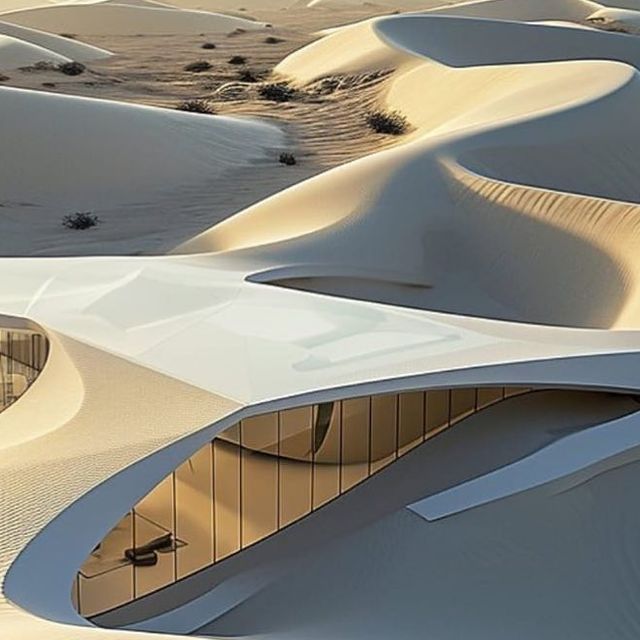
x=107 y=18
x=624 y=20
x=65 y=146
x=16 y=53
x=513 y=196
x=72 y=49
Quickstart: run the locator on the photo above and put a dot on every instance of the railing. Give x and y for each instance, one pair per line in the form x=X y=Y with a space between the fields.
x=22 y=358
x=257 y=477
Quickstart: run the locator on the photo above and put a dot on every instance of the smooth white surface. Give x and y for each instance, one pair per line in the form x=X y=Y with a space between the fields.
x=254 y=342
x=579 y=452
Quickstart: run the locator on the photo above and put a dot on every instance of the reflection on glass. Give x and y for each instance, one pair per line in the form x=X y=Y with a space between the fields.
x=296 y=444
x=489 y=395
x=226 y=486
x=463 y=403
x=384 y=430
x=355 y=441
x=438 y=414
x=411 y=419
x=326 y=459
x=22 y=358
x=257 y=477
x=194 y=512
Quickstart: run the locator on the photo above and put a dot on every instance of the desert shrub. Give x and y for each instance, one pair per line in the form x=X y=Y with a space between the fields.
x=273 y=40
x=237 y=60
x=198 y=67
x=3 y=78
x=277 y=92
x=196 y=106
x=389 y=122
x=71 y=36
x=287 y=158
x=80 y=220
x=49 y=85
x=236 y=32
x=246 y=75
x=43 y=65
x=71 y=68
x=208 y=45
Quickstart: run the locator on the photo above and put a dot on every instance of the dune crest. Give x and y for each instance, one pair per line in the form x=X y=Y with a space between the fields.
x=16 y=53
x=106 y=18
x=141 y=149
x=65 y=47
x=523 y=165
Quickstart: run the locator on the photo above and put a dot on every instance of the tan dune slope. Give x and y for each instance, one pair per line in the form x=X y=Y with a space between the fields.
x=623 y=19
x=232 y=5
x=383 y=4
x=522 y=10
x=525 y=10
x=116 y=19
x=356 y=48
x=114 y=152
x=64 y=47
x=16 y=53
x=622 y=4
x=365 y=47
x=440 y=221
x=432 y=39
x=359 y=48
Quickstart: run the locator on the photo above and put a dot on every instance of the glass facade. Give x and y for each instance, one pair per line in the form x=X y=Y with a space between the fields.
x=257 y=477
x=22 y=357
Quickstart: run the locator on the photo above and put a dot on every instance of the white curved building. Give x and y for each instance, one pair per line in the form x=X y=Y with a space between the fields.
x=271 y=434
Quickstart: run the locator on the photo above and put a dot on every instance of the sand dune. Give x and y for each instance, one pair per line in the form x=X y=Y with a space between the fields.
x=383 y=4
x=493 y=9
x=64 y=47
x=367 y=46
x=353 y=49
x=16 y=53
x=72 y=145
x=433 y=39
x=13 y=5
x=622 y=19
x=119 y=19
x=232 y=5
x=512 y=197
x=522 y=10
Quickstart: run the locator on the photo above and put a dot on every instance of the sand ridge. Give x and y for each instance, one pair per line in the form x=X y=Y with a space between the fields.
x=479 y=117
x=486 y=126
x=18 y=53
x=51 y=45
x=125 y=19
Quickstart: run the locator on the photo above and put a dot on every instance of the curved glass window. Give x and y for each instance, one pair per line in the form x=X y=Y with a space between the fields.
x=257 y=477
x=22 y=358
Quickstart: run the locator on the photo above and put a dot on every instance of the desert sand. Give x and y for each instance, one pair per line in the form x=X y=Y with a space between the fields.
x=16 y=53
x=50 y=47
x=120 y=19
x=516 y=171
x=475 y=173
